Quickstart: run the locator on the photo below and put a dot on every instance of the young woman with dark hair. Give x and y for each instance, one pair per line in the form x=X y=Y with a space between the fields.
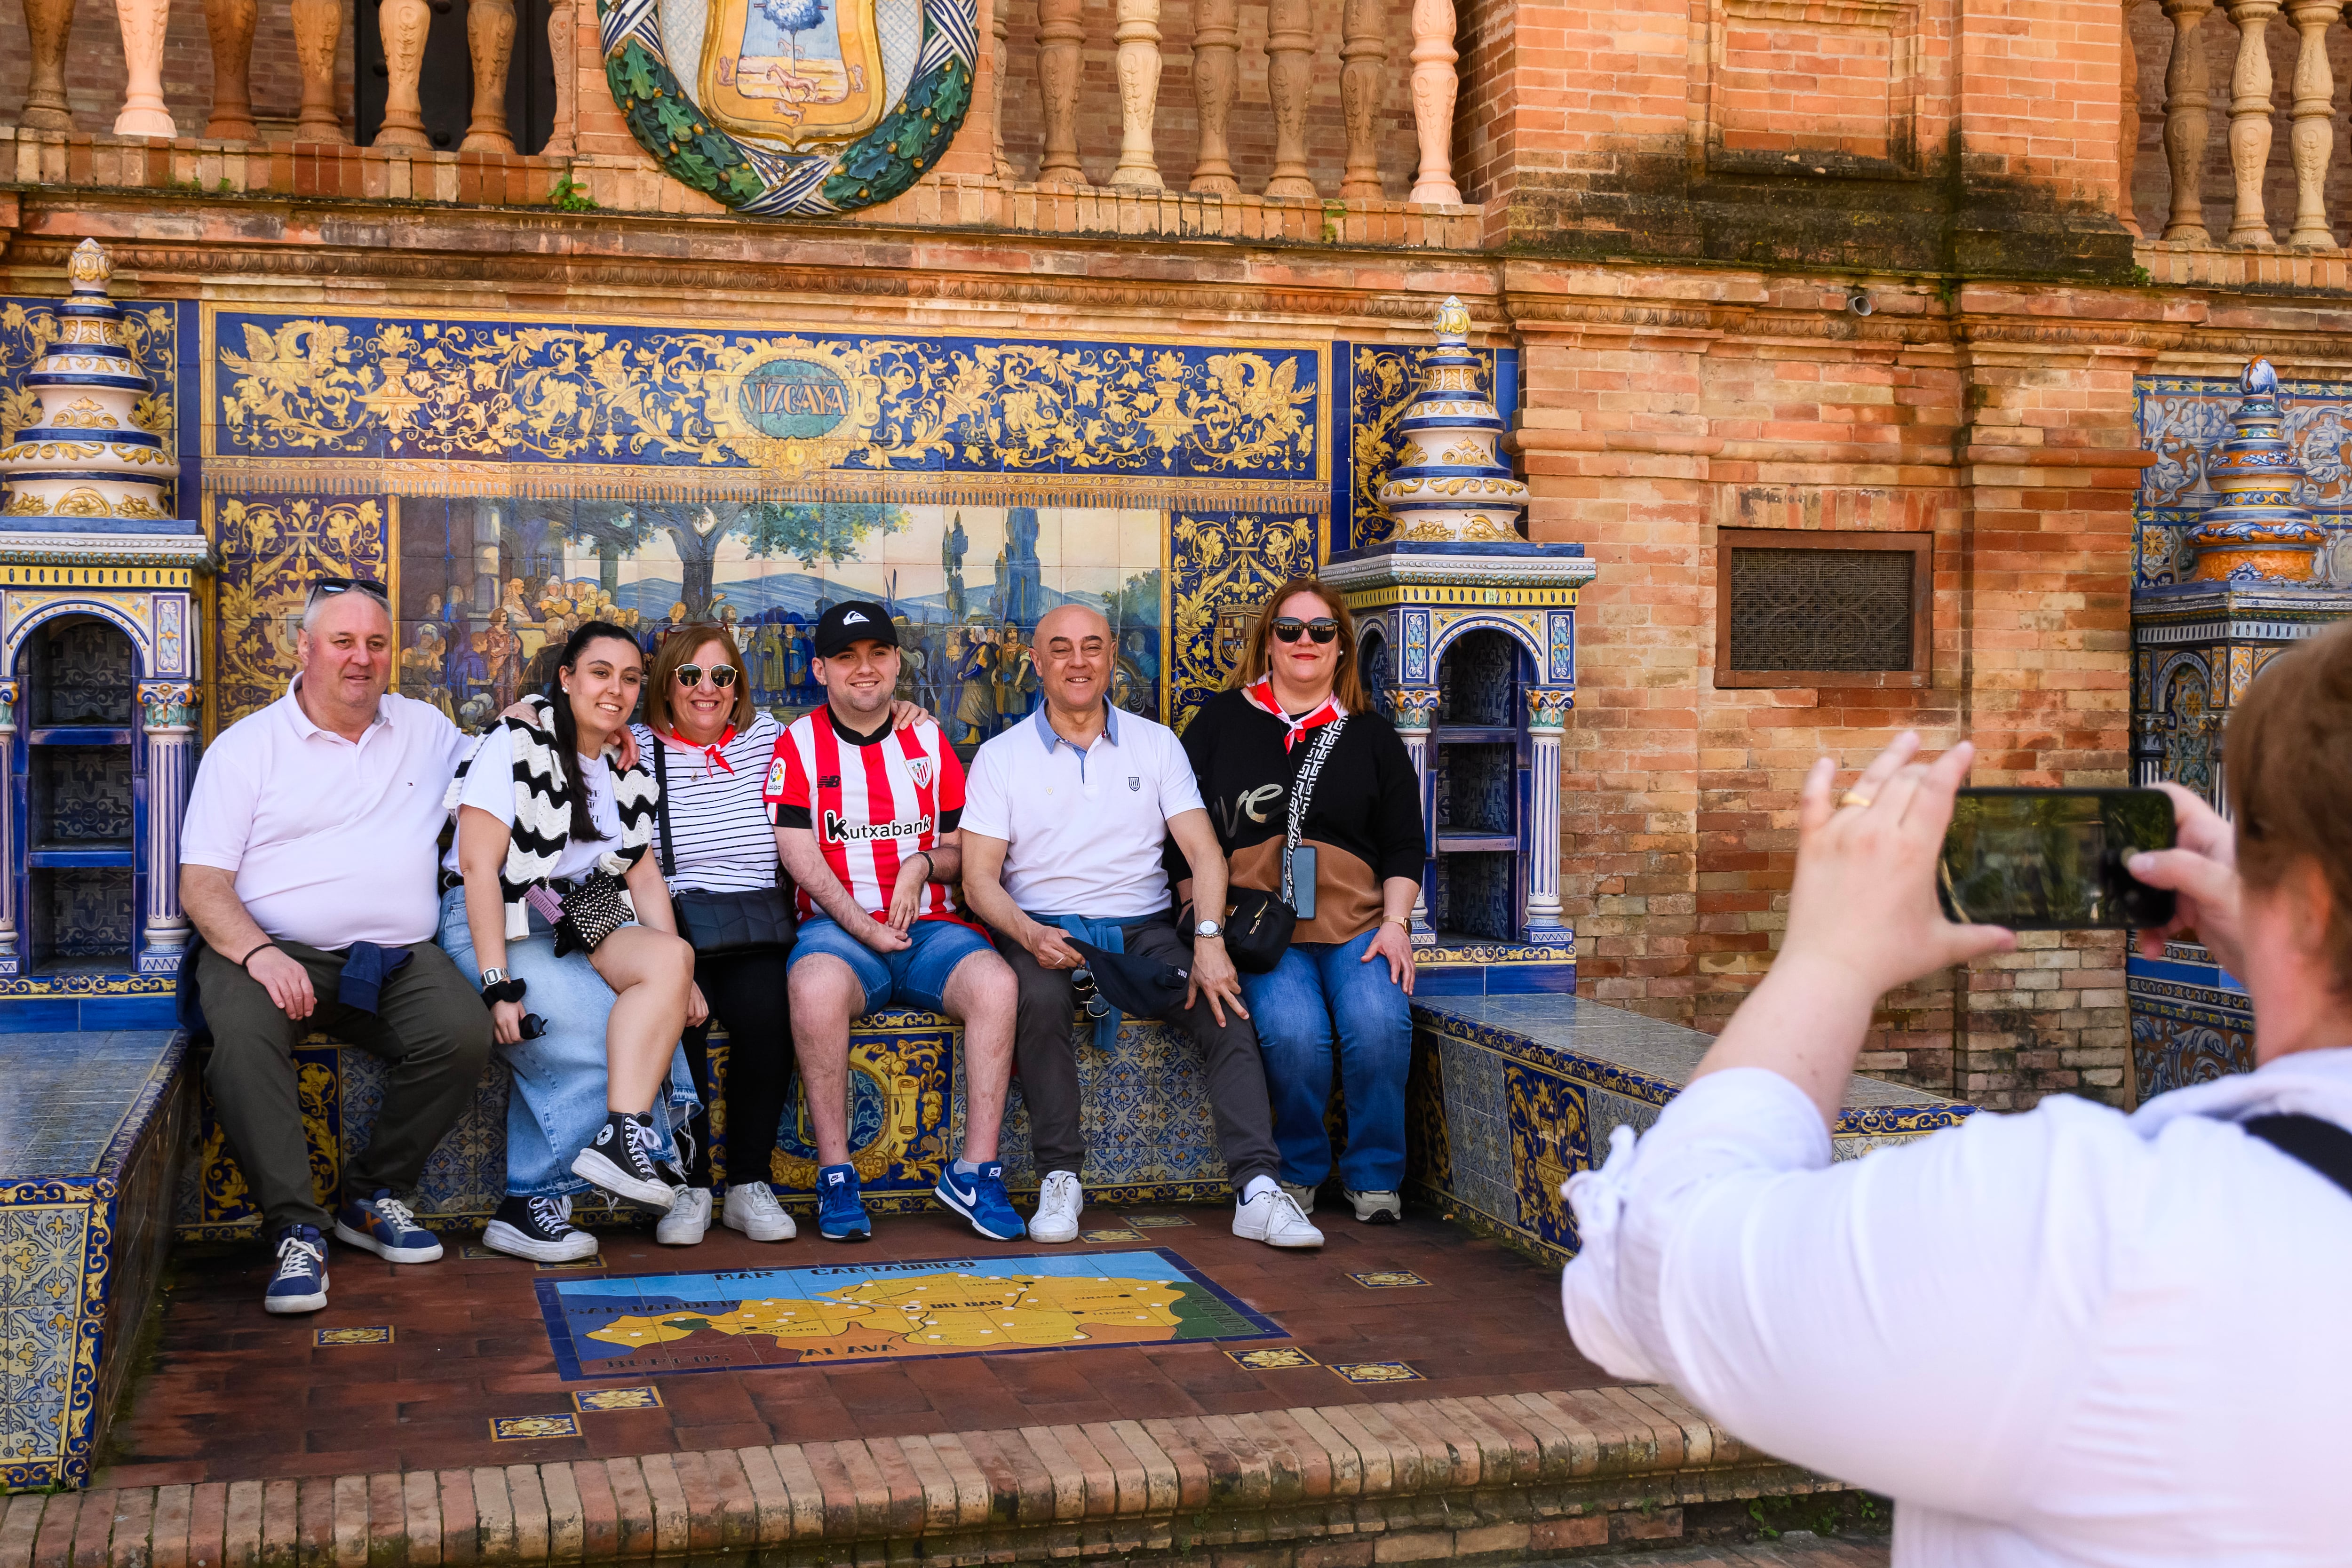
x=547 y=816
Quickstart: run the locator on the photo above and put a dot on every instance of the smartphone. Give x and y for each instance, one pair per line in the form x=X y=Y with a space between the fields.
x=1302 y=881
x=2052 y=859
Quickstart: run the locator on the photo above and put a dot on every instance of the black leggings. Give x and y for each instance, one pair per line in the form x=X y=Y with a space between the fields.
x=746 y=993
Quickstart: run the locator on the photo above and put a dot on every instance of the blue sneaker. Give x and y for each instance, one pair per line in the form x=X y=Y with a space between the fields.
x=981 y=1198
x=840 y=1212
x=301 y=1283
x=386 y=1227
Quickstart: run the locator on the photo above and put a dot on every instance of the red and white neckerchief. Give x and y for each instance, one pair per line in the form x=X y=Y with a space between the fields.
x=1260 y=696
x=713 y=755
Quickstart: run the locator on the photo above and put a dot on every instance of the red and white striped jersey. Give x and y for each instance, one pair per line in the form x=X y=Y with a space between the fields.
x=873 y=804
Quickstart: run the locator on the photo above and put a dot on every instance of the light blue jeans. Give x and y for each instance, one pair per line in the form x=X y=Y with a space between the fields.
x=1322 y=994
x=558 y=1102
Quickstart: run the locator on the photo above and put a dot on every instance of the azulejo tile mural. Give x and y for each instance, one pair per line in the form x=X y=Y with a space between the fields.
x=27 y=327
x=2182 y=418
x=1381 y=379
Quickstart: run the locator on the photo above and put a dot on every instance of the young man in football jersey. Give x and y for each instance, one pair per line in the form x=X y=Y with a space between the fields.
x=866 y=821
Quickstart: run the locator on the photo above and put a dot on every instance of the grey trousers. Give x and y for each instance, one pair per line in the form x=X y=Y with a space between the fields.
x=430 y=1025
x=1045 y=1055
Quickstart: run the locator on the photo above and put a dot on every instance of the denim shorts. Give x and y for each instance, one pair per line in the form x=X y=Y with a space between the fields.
x=914 y=976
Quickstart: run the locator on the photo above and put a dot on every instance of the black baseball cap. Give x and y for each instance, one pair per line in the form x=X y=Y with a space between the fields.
x=853 y=621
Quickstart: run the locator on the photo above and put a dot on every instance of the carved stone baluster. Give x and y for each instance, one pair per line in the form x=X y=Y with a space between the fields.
x=2313 y=140
x=2127 y=126
x=1060 y=32
x=2250 y=120
x=318 y=34
x=1138 y=93
x=1215 y=31
x=1364 y=59
x=402 y=24
x=2184 y=125
x=563 y=54
x=489 y=39
x=996 y=20
x=144 y=24
x=230 y=23
x=1433 y=87
x=1289 y=77
x=48 y=24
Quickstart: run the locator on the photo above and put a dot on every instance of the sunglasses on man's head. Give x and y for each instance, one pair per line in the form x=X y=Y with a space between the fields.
x=722 y=675
x=1322 y=628
x=347 y=584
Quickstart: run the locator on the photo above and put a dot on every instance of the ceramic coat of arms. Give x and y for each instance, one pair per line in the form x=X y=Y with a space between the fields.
x=792 y=107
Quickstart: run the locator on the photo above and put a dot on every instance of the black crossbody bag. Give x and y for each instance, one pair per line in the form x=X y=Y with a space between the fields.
x=1258 y=924
x=2320 y=1144
x=721 y=925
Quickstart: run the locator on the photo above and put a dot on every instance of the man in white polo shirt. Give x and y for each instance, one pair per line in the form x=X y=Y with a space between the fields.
x=1065 y=819
x=307 y=863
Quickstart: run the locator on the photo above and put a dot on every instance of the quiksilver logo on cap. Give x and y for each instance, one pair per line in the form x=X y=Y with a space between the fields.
x=853 y=619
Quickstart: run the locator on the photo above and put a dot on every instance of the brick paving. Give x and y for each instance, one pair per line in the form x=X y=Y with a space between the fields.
x=236 y=1395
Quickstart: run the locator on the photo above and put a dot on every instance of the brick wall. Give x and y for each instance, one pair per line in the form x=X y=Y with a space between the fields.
x=94 y=68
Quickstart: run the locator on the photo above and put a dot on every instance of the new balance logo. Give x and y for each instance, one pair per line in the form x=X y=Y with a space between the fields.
x=830 y=781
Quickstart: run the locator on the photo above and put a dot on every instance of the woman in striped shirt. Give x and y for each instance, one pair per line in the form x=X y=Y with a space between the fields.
x=715 y=746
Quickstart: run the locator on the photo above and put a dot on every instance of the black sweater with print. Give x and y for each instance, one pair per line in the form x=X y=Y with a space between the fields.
x=1364 y=817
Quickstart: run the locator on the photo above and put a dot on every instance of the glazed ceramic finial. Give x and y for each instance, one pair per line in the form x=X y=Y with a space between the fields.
x=91 y=268
x=1452 y=321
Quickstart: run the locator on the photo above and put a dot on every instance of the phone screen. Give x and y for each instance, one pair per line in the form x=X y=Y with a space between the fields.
x=2052 y=859
x=1302 y=881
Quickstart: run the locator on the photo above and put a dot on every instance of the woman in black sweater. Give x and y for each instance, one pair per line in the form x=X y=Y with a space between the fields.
x=1296 y=721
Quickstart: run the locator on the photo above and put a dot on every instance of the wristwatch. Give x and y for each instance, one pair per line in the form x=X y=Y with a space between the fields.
x=1208 y=928
x=493 y=977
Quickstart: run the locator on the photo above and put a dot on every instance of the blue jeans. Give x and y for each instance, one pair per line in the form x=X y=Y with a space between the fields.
x=558 y=1103
x=1319 y=991
x=914 y=976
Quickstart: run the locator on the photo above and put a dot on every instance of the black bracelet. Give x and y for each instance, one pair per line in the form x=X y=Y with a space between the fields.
x=249 y=955
x=509 y=990
x=930 y=867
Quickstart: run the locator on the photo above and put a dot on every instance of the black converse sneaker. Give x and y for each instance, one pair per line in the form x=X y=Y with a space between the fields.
x=621 y=1161
x=539 y=1229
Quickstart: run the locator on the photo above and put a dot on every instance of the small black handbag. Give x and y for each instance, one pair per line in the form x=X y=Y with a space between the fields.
x=720 y=925
x=1258 y=924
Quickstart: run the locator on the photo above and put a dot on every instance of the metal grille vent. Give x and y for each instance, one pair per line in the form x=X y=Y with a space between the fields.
x=1821 y=609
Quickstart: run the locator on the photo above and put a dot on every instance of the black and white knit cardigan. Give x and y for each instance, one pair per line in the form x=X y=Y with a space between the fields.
x=543 y=821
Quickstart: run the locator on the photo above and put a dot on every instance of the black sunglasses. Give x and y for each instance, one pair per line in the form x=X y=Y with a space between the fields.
x=1322 y=628
x=1082 y=979
x=722 y=675
x=346 y=584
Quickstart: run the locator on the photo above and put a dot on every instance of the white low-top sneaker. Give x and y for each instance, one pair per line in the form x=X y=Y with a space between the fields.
x=1376 y=1208
x=1273 y=1218
x=1059 y=1203
x=689 y=1219
x=751 y=1208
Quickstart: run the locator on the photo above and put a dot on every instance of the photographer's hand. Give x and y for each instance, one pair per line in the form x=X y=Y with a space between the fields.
x=2201 y=869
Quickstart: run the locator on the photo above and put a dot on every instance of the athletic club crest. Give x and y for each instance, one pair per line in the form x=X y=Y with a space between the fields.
x=1134 y=783
x=920 y=770
x=792 y=107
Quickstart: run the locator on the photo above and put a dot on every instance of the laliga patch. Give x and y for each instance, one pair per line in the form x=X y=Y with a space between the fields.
x=775 y=787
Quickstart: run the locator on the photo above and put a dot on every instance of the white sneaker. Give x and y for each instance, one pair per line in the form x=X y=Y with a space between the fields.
x=1275 y=1219
x=751 y=1208
x=1303 y=1196
x=1058 y=1207
x=689 y=1219
x=1376 y=1208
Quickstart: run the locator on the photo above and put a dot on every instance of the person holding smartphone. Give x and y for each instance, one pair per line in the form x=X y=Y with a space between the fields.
x=2065 y=1336
x=1295 y=736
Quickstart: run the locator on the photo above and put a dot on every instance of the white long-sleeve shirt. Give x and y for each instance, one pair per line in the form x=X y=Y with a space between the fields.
x=2062 y=1337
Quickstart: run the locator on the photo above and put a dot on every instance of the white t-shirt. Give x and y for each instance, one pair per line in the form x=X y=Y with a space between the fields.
x=1084 y=829
x=718 y=821
x=330 y=840
x=2066 y=1337
x=489 y=785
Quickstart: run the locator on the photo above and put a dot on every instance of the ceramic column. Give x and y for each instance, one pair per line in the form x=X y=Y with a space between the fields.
x=2312 y=141
x=11 y=956
x=1138 y=64
x=2186 y=127
x=489 y=39
x=2249 y=121
x=1060 y=33
x=317 y=36
x=1289 y=77
x=1363 y=72
x=1433 y=87
x=996 y=89
x=1413 y=710
x=1547 y=716
x=1215 y=32
x=144 y=24
x=563 y=54
x=47 y=24
x=402 y=24
x=230 y=24
x=169 y=709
